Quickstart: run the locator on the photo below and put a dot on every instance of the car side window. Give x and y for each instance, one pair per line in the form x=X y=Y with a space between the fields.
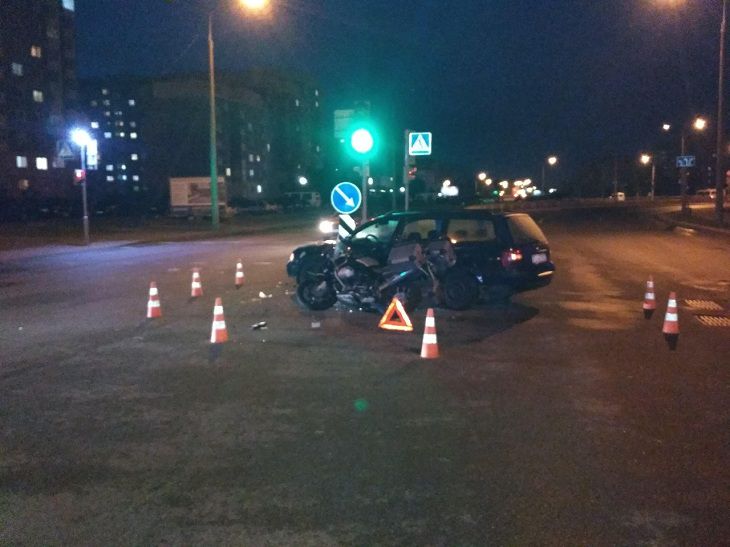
x=381 y=230
x=466 y=230
x=419 y=230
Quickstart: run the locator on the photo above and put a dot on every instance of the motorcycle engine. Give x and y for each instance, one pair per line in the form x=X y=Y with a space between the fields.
x=358 y=284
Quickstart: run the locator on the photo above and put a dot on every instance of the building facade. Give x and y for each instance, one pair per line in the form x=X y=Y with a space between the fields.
x=38 y=95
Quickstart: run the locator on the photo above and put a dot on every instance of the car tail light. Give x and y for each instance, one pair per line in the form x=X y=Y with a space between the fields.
x=511 y=256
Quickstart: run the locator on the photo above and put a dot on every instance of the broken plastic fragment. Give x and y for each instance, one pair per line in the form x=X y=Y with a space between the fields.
x=258 y=326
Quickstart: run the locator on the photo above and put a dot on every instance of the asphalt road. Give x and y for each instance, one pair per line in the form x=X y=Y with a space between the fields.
x=562 y=418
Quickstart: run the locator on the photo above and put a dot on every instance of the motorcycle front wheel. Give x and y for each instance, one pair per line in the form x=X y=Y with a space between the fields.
x=316 y=294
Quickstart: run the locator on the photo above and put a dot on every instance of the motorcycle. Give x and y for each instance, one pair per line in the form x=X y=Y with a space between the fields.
x=361 y=282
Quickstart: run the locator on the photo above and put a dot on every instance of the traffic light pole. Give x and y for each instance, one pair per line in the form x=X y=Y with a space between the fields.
x=405 y=169
x=365 y=172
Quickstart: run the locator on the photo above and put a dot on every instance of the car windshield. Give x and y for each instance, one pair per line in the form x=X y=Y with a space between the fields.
x=525 y=230
x=381 y=229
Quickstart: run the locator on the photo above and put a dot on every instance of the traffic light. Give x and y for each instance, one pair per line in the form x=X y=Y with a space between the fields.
x=362 y=141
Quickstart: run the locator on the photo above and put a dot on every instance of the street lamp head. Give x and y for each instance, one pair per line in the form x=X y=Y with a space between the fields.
x=666 y=127
x=552 y=160
x=482 y=176
x=80 y=137
x=700 y=124
x=645 y=159
x=303 y=181
x=255 y=5
x=488 y=182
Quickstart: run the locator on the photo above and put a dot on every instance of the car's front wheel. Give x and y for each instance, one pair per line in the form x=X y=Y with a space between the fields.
x=316 y=294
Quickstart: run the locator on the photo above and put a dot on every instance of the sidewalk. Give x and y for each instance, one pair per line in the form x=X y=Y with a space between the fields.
x=54 y=236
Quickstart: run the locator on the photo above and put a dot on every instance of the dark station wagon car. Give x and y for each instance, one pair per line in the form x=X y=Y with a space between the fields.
x=505 y=253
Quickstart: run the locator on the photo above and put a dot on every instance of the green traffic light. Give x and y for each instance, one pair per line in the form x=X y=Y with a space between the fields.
x=362 y=141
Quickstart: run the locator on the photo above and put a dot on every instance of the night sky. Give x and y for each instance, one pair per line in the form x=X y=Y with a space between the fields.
x=500 y=83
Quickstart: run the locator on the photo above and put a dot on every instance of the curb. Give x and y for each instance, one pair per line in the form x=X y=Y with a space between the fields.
x=673 y=223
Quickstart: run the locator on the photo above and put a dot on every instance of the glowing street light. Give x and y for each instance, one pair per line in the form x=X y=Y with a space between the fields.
x=504 y=184
x=303 y=181
x=488 y=182
x=700 y=124
x=645 y=159
x=666 y=127
x=552 y=161
x=482 y=176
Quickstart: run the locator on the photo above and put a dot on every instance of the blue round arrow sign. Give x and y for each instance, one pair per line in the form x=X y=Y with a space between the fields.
x=346 y=198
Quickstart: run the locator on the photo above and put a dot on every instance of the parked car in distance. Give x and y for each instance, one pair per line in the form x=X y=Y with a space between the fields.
x=504 y=253
x=305 y=199
x=618 y=196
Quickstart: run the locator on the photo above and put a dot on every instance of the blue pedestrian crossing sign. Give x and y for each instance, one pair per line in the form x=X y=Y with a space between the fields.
x=346 y=198
x=419 y=144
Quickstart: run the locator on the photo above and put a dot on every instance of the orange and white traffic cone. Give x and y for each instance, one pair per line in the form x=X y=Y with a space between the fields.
x=671 y=322
x=430 y=347
x=153 y=304
x=219 y=333
x=649 y=299
x=196 y=288
x=239 y=274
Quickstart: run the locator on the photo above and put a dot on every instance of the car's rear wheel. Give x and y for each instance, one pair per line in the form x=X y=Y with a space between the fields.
x=459 y=289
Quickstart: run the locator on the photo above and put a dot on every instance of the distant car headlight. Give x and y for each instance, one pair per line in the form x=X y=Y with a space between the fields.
x=327 y=226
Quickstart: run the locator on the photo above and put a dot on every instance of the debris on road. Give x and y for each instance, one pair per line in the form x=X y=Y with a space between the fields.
x=316 y=324
x=259 y=326
x=263 y=295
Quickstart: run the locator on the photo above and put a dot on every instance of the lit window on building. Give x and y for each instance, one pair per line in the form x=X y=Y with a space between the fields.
x=134 y=157
x=17 y=69
x=107 y=135
x=104 y=91
x=250 y=126
x=119 y=123
x=133 y=135
x=122 y=134
x=110 y=178
x=123 y=167
x=21 y=161
x=251 y=173
x=135 y=178
x=250 y=158
x=109 y=167
x=41 y=164
x=23 y=185
x=94 y=103
x=316 y=104
x=258 y=158
x=296 y=102
x=68 y=5
x=317 y=148
x=36 y=51
x=132 y=124
x=268 y=147
x=107 y=113
x=106 y=102
x=228 y=171
x=259 y=189
x=94 y=125
x=316 y=92
x=37 y=96
x=124 y=177
x=132 y=102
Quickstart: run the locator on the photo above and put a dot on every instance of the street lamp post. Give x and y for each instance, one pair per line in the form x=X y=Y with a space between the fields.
x=81 y=138
x=719 y=149
x=646 y=159
x=551 y=161
x=215 y=219
x=253 y=5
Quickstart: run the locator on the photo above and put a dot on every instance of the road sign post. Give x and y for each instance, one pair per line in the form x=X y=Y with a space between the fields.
x=406 y=159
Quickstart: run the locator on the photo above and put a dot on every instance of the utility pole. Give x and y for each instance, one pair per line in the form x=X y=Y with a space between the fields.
x=615 y=178
x=215 y=220
x=683 y=175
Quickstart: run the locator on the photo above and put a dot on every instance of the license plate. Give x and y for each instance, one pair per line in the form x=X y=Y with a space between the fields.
x=539 y=258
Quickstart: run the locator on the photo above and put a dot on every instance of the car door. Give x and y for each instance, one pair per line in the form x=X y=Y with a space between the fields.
x=476 y=245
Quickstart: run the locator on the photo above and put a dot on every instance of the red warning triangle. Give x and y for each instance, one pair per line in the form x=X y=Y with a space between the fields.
x=396 y=318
